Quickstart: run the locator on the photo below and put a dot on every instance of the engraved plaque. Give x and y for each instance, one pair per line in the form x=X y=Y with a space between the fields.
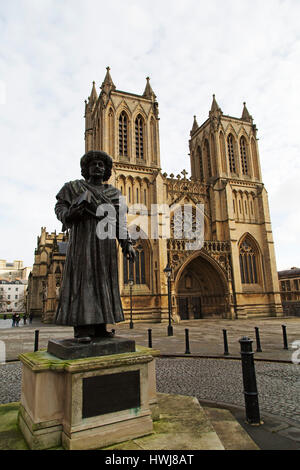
x=110 y=393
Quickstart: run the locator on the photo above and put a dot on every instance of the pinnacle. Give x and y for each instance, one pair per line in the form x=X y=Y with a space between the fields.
x=107 y=82
x=149 y=93
x=214 y=105
x=94 y=95
x=246 y=115
x=195 y=125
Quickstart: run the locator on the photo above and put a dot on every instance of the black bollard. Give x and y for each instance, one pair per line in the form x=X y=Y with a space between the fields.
x=249 y=381
x=36 y=340
x=187 y=342
x=226 y=352
x=285 y=341
x=150 y=338
x=258 y=346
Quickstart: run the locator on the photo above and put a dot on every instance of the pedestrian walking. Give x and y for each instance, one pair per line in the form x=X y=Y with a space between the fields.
x=17 y=319
x=13 y=319
x=30 y=318
x=24 y=318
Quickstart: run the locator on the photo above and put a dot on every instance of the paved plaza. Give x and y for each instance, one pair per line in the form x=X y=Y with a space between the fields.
x=205 y=336
x=206 y=373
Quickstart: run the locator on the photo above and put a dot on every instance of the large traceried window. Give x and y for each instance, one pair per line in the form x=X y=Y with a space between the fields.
x=200 y=163
x=136 y=270
x=231 y=156
x=123 y=134
x=207 y=156
x=139 y=137
x=153 y=140
x=111 y=133
x=243 y=152
x=248 y=262
x=223 y=153
x=254 y=158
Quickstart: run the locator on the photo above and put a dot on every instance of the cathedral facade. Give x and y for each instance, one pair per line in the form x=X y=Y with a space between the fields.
x=233 y=274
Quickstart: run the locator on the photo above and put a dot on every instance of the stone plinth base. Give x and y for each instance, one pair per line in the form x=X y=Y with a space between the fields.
x=87 y=403
x=72 y=349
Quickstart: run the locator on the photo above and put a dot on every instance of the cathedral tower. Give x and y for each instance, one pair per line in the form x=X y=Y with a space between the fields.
x=126 y=126
x=224 y=154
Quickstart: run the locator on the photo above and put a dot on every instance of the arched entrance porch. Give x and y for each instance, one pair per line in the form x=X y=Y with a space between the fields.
x=201 y=289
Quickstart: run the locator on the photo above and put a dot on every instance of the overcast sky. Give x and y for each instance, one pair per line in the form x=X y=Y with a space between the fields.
x=52 y=50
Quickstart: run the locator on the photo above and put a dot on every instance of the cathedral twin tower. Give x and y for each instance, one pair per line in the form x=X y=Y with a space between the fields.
x=234 y=274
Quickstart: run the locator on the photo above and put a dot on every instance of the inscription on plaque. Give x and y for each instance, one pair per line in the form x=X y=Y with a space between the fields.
x=110 y=393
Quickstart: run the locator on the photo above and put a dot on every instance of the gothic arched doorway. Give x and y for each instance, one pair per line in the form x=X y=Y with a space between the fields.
x=201 y=290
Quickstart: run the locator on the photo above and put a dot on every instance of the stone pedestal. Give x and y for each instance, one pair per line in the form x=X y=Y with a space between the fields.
x=87 y=403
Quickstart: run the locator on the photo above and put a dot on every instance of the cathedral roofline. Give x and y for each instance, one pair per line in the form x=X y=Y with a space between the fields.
x=127 y=93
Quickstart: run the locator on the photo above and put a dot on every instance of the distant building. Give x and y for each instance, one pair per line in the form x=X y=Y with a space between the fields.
x=45 y=278
x=289 y=283
x=13 y=270
x=13 y=296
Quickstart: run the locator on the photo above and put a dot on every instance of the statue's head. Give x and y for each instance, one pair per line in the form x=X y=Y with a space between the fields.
x=96 y=155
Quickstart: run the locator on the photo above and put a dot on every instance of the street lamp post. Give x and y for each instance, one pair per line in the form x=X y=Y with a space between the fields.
x=168 y=272
x=130 y=282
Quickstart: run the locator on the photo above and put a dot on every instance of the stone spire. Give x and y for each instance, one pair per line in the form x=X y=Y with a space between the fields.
x=92 y=99
x=215 y=114
x=214 y=106
x=149 y=93
x=107 y=85
x=94 y=95
x=246 y=116
x=195 y=126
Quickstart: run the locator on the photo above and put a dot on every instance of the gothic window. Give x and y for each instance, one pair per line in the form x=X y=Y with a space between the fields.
x=248 y=263
x=187 y=224
x=153 y=139
x=254 y=158
x=145 y=197
x=111 y=134
x=139 y=137
x=222 y=149
x=207 y=154
x=123 y=134
x=230 y=149
x=200 y=161
x=129 y=194
x=243 y=152
x=137 y=270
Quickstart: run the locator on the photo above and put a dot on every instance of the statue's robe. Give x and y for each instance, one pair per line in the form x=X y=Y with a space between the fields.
x=89 y=294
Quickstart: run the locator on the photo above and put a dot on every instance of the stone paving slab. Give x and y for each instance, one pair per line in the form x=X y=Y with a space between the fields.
x=232 y=435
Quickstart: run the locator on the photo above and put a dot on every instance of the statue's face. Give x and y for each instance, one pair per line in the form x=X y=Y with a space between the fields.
x=96 y=168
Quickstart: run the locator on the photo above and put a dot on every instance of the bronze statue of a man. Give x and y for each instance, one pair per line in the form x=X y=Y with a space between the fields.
x=89 y=295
